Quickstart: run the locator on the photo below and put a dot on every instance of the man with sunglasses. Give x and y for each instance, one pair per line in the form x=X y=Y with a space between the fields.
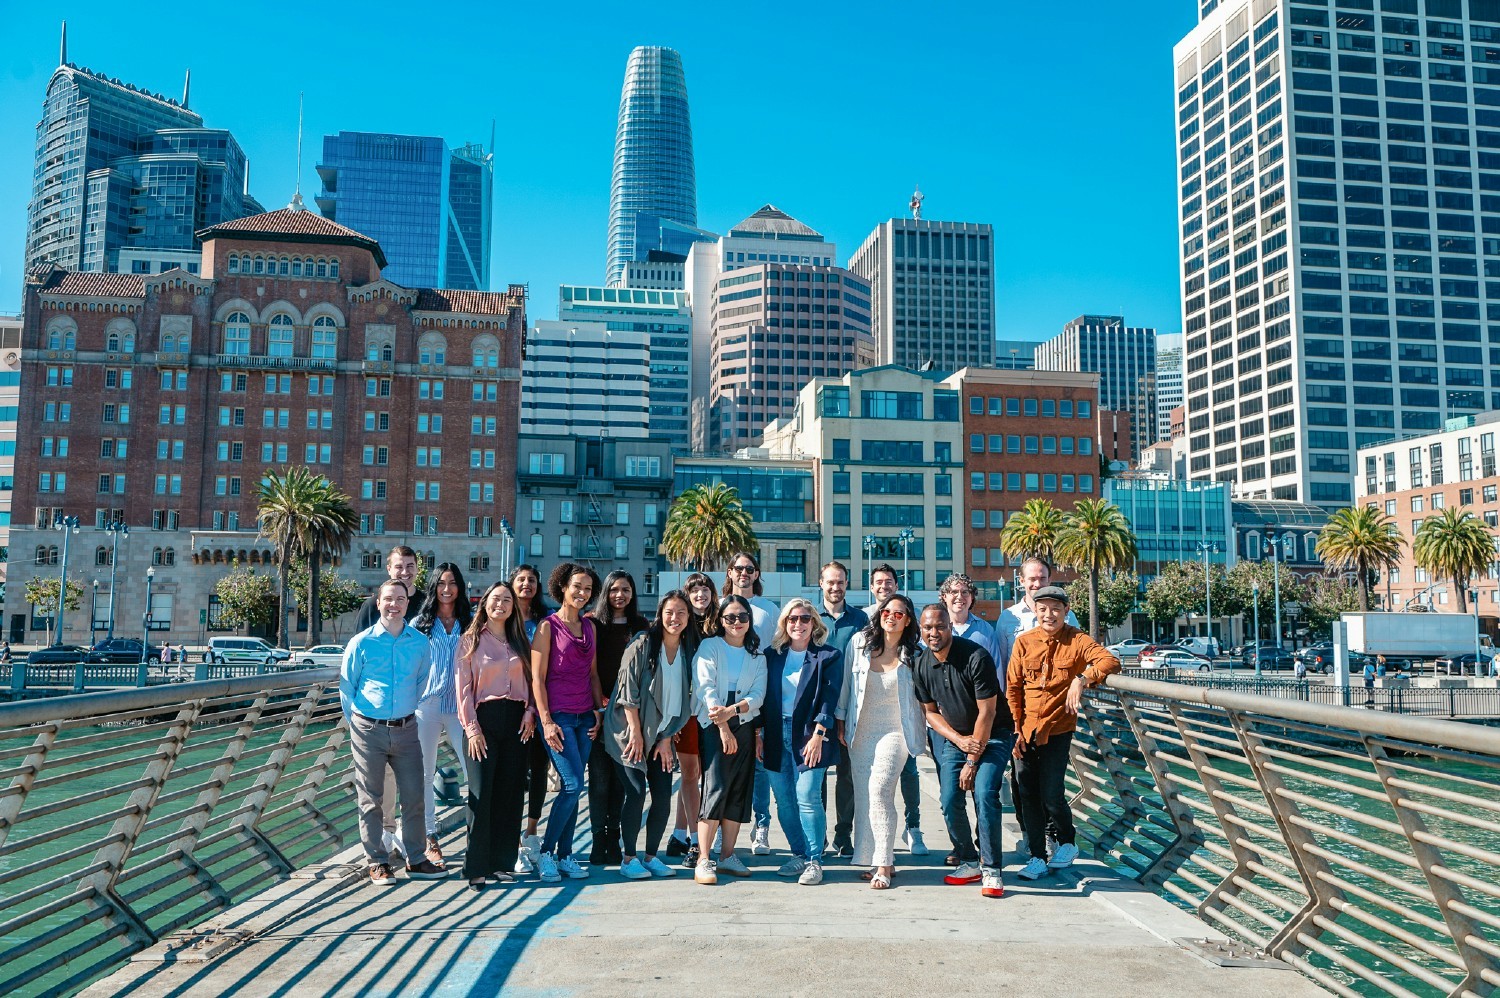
x=743 y=579
x=843 y=622
x=883 y=584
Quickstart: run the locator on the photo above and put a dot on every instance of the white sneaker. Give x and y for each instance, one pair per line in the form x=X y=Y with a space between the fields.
x=657 y=868
x=1035 y=869
x=812 y=874
x=967 y=873
x=792 y=867
x=547 y=868
x=524 y=865
x=569 y=867
x=914 y=843
x=760 y=841
x=1051 y=845
x=992 y=884
x=706 y=872
x=1063 y=856
x=634 y=869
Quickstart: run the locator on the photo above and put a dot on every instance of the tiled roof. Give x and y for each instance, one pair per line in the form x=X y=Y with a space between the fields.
x=771 y=219
x=465 y=302
x=299 y=225
x=68 y=282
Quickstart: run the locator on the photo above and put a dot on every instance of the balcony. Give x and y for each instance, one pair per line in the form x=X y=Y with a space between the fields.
x=263 y=363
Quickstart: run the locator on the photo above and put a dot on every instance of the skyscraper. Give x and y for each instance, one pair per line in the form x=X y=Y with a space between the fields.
x=1123 y=356
x=426 y=204
x=1334 y=227
x=653 y=169
x=1167 y=383
x=118 y=167
x=934 y=292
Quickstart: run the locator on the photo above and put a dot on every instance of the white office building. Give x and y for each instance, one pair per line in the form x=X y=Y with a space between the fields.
x=584 y=379
x=1168 y=382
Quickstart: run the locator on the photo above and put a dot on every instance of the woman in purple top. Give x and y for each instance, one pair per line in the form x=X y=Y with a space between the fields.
x=569 y=702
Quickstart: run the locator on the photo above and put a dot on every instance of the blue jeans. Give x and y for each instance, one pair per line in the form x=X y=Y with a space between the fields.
x=799 y=799
x=570 y=764
x=760 y=800
x=987 y=782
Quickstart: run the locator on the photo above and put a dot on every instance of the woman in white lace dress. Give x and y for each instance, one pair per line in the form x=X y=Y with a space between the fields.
x=881 y=723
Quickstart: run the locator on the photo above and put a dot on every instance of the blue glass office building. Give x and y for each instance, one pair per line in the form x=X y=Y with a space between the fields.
x=426 y=204
x=653 y=169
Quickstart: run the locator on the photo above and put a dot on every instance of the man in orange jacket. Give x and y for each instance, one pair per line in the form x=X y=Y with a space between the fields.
x=1049 y=667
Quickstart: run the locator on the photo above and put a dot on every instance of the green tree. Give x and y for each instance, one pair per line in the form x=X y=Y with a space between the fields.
x=337 y=595
x=1454 y=544
x=1324 y=599
x=706 y=525
x=304 y=516
x=246 y=599
x=1118 y=592
x=42 y=593
x=1033 y=532
x=1096 y=538
x=1176 y=591
x=1255 y=586
x=1361 y=538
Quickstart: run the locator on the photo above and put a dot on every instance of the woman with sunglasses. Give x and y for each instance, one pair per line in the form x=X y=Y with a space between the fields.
x=650 y=703
x=796 y=743
x=729 y=688
x=531 y=609
x=704 y=600
x=882 y=725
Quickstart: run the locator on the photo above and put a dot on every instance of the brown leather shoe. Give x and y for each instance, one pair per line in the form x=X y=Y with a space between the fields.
x=426 y=870
x=434 y=852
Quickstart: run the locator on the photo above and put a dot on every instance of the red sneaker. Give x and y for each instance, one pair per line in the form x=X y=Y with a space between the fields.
x=967 y=873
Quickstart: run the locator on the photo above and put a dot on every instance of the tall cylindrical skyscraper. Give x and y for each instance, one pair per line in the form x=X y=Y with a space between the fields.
x=653 y=169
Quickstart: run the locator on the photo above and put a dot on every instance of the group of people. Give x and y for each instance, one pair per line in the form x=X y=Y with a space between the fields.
x=727 y=698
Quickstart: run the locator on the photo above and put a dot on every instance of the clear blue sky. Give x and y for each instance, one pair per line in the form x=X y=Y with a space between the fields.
x=1052 y=122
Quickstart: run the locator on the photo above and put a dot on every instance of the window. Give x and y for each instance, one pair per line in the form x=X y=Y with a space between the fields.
x=325 y=338
x=281 y=336
x=637 y=466
x=538 y=510
x=237 y=335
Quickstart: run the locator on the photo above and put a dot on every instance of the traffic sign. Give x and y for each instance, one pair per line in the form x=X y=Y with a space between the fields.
x=202 y=616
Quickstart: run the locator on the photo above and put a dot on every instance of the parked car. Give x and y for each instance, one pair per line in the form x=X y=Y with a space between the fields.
x=58 y=655
x=123 y=650
x=1175 y=658
x=1271 y=655
x=1463 y=665
x=1129 y=648
x=319 y=656
x=1200 y=645
x=222 y=651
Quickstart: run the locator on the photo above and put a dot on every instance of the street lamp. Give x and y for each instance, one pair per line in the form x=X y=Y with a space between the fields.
x=905 y=537
x=1205 y=548
x=69 y=526
x=93 y=610
x=869 y=543
x=1276 y=554
x=118 y=529
x=1255 y=609
x=146 y=617
x=506 y=536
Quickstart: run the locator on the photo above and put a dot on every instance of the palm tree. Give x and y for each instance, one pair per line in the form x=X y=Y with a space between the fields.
x=1096 y=538
x=1361 y=538
x=1033 y=532
x=1454 y=544
x=706 y=525
x=330 y=533
x=303 y=515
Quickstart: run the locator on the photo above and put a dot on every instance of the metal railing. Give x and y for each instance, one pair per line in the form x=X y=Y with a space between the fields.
x=127 y=815
x=78 y=677
x=1446 y=701
x=1358 y=846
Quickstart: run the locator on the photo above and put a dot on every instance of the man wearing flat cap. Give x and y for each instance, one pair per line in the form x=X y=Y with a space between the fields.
x=1049 y=667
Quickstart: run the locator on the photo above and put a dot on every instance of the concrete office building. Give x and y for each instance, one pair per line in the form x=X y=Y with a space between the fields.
x=780 y=497
x=1123 y=356
x=1336 y=229
x=428 y=205
x=584 y=379
x=933 y=286
x=1166 y=383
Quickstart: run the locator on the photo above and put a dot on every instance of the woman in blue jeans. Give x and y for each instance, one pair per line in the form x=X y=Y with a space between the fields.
x=797 y=743
x=569 y=702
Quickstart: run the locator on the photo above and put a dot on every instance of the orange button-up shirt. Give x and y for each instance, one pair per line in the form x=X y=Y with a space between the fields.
x=1042 y=667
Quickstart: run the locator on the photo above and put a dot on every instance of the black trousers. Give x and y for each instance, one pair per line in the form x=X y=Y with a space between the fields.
x=728 y=780
x=843 y=800
x=536 y=764
x=658 y=782
x=497 y=784
x=606 y=799
x=1040 y=772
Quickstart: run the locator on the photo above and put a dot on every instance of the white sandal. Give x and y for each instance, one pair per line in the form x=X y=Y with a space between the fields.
x=880 y=882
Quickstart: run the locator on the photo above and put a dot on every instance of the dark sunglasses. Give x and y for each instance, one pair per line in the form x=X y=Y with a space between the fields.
x=799 y=618
x=736 y=618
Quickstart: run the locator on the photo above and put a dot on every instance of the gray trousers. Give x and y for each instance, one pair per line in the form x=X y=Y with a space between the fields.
x=378 y=747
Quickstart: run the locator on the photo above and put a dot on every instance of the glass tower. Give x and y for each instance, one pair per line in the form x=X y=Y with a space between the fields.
x=653 y=169
x=426 y=204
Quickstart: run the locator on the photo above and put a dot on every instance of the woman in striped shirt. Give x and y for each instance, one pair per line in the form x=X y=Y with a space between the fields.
x=444 y=617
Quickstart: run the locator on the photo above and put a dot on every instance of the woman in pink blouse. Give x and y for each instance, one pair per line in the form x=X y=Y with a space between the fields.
x=495 y=709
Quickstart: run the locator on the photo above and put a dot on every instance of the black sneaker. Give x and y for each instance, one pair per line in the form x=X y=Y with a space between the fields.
x=843 y=850
x=690 y=860
x=676 y=847
x=426 y=870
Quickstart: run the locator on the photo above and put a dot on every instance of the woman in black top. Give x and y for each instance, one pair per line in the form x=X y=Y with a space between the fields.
x=704 y=600
x=617 y=620
x=526 y=584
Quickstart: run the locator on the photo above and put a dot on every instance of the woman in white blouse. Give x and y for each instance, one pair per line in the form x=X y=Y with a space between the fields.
x=729 y=688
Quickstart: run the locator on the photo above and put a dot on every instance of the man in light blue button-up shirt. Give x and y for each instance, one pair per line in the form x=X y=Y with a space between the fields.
x=383 y=675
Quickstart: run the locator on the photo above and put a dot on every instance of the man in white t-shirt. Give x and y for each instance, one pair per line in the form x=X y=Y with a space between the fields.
x=743 y=579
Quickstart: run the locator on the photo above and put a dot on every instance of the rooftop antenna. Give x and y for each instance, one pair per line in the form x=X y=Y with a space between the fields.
x=916 y=203
x=297 y=204
x=62 y=54
x=187 y=86
x=492 y=138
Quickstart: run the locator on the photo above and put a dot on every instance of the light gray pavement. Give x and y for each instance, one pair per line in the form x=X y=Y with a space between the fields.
x=1085 y=931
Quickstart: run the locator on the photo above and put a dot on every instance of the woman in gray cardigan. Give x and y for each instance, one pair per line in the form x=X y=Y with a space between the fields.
x=652 y=700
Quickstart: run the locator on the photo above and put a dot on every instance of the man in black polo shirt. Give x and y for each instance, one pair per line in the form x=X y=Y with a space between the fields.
x=959 y=689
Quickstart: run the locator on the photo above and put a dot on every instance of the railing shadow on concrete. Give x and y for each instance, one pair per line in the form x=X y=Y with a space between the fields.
x=1356 y=845
x=128 y=815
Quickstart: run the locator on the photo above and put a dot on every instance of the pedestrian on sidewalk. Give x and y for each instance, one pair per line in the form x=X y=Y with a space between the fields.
x=972 y=737
x=729 y=689
x=1049 y=667
x=617 y=622
x=444 y=617
x=383 y=674
x=499 y=723
x=881 y=725
x=796 y=745
x=651 y=701
x=526 y=584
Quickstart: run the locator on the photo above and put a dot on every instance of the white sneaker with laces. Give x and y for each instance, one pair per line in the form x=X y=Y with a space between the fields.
x=966 y=873
x=547 y=868
x=914 y=842
x=1035 y=869
x=1063 y=856
x=992 y=885
x=760 y=841
x=657 y=868
x=634 y=869
x=792 y=867
x=569 y=867
x=812 y=874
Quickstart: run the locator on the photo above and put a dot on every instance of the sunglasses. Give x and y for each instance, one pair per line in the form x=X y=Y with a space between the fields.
x=898 y=614
x=736 y=618
x=799 y=618
x=742 y=569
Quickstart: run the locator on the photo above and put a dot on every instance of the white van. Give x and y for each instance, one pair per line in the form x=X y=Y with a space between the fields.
x=1200 y=645
x=225 y=650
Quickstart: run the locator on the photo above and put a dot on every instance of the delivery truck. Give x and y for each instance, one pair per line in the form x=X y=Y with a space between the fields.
x=1406 y=639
